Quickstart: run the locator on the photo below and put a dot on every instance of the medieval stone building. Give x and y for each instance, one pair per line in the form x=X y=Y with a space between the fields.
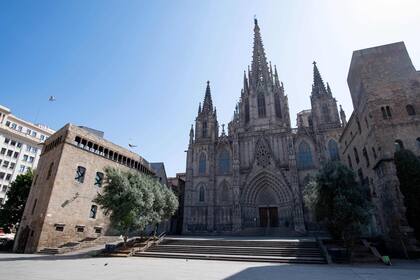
x=249 y=179
x=385 y=90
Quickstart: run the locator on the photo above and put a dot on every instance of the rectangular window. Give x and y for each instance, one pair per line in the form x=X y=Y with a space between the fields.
x=2 y=174
x=7 y=123
x=19 y=145
x=28 y=131
x=12 y=165
x=25 y=157
x=22 y=168
x=19 y=128
x=42 y=137
x=16 y=155
x=31 y=159
x=93 y=210
x=6 y=140
x=9 y=153
x=80 y=174
x=80 y=229
x=34 y=150
x=59 y=228
x=8 y=177
x=13 y=143
x=33 y=207
x=14 y=126
x=99 y=179
x=3 y=151
x=5 y=164
x=28 y=148
x=33 y=134
x=4 y=189
x=50 y=170
x=98 y=230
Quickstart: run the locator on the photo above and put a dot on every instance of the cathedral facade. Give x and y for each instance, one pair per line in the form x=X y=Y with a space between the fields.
x=249 y=178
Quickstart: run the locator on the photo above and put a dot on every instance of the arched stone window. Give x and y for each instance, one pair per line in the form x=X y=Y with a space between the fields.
x=304 y=156
x=277 y=105
x=224 y=162
x=325 y=113
x=349 y=160
x=366 y=156
x=202 y=163
x=201 y=194
x=333 y=150
x=246 y=109
x=225 y=193
x=410 y=110
x=398 y=145
x=261 y=105
x=204 y=129
x=356 y=155
x=262 y=154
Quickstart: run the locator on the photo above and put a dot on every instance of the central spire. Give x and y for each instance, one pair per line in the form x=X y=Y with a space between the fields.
x=208 y=103
x=259 y=69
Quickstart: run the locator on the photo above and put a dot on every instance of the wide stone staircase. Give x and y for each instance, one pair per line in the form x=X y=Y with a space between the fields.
x=238 y=249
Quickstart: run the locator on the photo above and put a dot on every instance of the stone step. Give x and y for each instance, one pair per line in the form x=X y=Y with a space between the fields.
x=227 y=257
x=293 y=251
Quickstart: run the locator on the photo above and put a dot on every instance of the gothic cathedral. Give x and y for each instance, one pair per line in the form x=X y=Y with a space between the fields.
x=249 y=180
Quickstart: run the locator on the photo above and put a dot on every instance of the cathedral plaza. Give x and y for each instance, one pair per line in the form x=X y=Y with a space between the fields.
x=34 y=267
x=213 y=139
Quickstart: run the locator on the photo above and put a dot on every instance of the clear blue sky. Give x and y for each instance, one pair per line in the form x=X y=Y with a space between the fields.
x=137 y=69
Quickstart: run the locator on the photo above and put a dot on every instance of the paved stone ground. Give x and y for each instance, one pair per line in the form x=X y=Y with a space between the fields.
x=37 y=267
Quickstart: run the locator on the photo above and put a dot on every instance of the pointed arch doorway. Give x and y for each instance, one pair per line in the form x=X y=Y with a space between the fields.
x=267 y=208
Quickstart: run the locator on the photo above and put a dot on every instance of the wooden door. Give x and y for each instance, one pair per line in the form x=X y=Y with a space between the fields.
x=263 y=216
x=274 y=218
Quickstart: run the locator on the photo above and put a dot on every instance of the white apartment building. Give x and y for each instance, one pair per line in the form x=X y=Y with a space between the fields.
x=20 y=147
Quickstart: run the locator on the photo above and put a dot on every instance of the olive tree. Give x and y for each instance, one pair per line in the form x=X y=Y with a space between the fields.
x=133 y=201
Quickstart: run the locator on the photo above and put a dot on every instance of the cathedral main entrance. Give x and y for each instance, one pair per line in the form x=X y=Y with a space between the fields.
x=268 y=217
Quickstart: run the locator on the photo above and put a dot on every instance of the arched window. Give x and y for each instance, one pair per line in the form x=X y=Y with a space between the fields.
x=333 y=150
x=410 y=110
x=356 y=155
x=366 y=156
x=225 y=193
x=224 y=162
x=325 y=113
x=398 y=145
x=204 y=129
x=304 y=156
x=349 y=160
x=261 y=105
x=374 y=152
x=246 y=110
x=277 y=104
x=202 y=164
x=201 y=194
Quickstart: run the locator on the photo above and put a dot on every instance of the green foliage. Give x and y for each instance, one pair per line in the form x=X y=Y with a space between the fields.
x=339 y=201
x=135 y=201
x=408 y=173
x=12 y=210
